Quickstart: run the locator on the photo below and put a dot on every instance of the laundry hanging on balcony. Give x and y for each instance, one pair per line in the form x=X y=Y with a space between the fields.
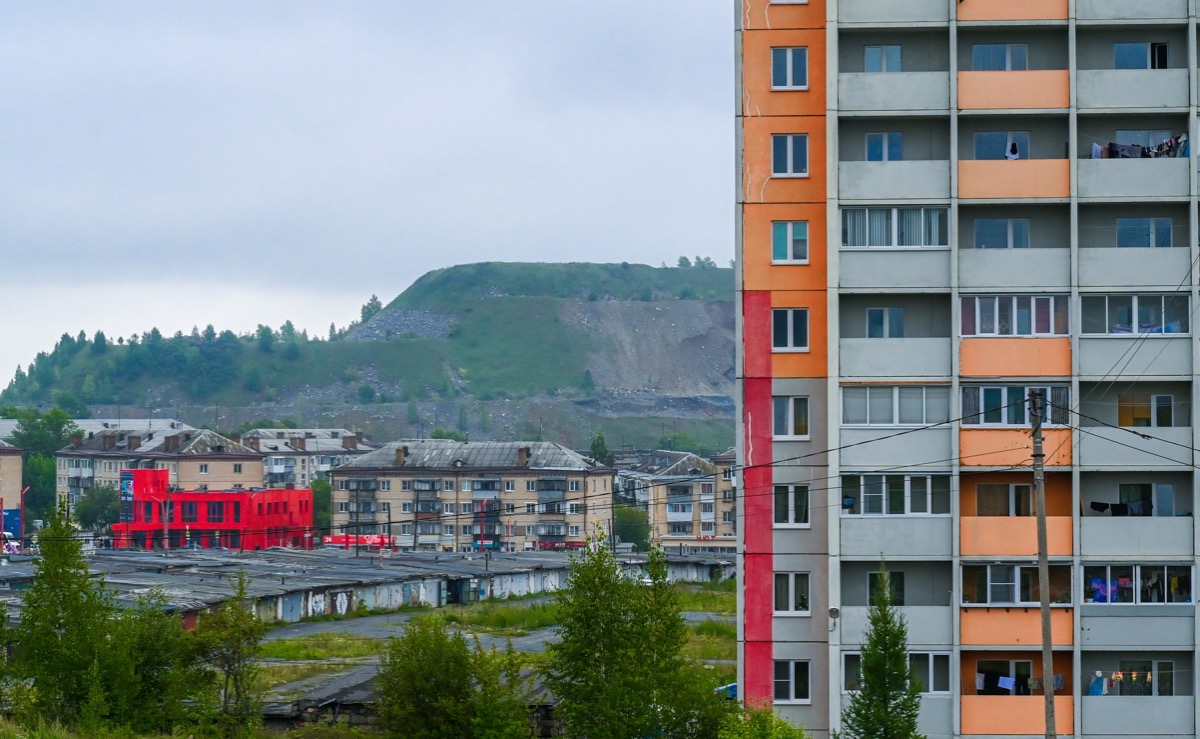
x=1176 y=147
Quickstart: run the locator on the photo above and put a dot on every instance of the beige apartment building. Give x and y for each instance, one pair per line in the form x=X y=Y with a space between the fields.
x=299 y=456
x=444 y=495
x=198 y=459
x=10 y=475
x=690 y=501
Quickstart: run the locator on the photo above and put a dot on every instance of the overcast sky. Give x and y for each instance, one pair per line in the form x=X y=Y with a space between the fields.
x=179 y=163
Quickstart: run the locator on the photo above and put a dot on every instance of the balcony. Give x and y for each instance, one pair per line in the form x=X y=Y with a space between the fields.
x=907 y=180
x=1124 y=12
x=917 y=358
x=1137 y=628
x=1019 y=90
x=1149 y=536
x=926 y=267
x=1010 y=447
x=1152 y=356
x=1012 y=10
x=1102 y=446
x=998 y=269
x=1127 y=715
x=1015 y=357
x=1013 y=536
x=684 y=517
x=280 y=469
x=1015 y=625
x=1159 y=269
x=898 y=12
x=896 y=537
x=927 y=446
x=1014 y=180
x=1134 y=179
x=1010 y=715
x=928 y=626
x=1133 y=88
x=906 y=92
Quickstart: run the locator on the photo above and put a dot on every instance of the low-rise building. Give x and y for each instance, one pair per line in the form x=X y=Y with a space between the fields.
x=10 y=475
x=689 y=503
x=196 y=459
x=443 y=495
x=299 y=456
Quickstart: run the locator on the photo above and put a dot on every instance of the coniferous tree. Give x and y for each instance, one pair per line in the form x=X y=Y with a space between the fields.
x=888 y=700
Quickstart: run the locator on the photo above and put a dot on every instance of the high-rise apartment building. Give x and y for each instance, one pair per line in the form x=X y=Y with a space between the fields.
x=944 y=204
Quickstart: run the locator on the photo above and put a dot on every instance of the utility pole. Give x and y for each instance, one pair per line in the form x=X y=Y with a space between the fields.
x=1037 y=409
x=166 y=516
x=357 y=516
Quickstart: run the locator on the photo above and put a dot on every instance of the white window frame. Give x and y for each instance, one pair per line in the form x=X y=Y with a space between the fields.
x=793 y=493
x=927 y=416
x=887 y=318
x=792 y=407
x=531 y=508
x=204 y=469
x=510 y=486
x=448 y=486
x=885 y=146
x=386 y=485
x=1155 y=402
x=1149 y=54
x=1008 y=58
x=1156 y=568
x=883 y=58
x=791 y=53
x=1057 y=413
x=797 y=591
x=575 y=509
x=531 y=486
x=791 y=316
x=1010 y=137
x=791 y=693
x=510 y=509
x=343 y=506
x=1135 y=299
x=790 y=141
x=405 y=485
x=1019 y=496
x=1010 y=231
x=448 y=509
x=998 y=305
x=1157 y=225
x=406 y=507
x=573 y=530
x=466 y=508
x=894 y=220
x=572 y=486
x=916 y=487
x=1015 y=585
x=786 y=230
x=926 y=684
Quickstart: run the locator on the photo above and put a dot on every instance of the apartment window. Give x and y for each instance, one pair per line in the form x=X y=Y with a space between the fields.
x=1142 y=137
x=343 y=507
x=885 y=323
x=791 y=681
x=405 y=485
x=885 y=147
x=930 y=669
x=789 y=329
x=465 y=507
x=531 y=507
x=1001 y=233
x=510 y=486
x=204 y=469
x=448 y=485
x=448 y=530
x=791 y=592
x=1008 y=405
x=789 y=68
x=894 y=227
x=679 y=508
x=237 y=512
x=791 y=505
x=1015 y=315
x=573 y=531
x=1143 y=232
x=895 y=582
x=890 y=405
x=1003 y=500
x=237 y=469
x=406 y=529
x=1147 y=499
x=706 y=488
x=789 y=155
x=727 y=517
x=679 y=529
x=406 y=507
x=1137 y=583
x=386 y=485
x=999 y=144
x=510 y=509
x=1139 y=56
x=999 y=57
x=882 y=58
x=573 y=486
x=189 y=512
x=529 y=530
x=707 y=507
x=789 y=242
x=531 y=486
x=895 y=495
x=1135 y=314
x=1138 y=410
x=576 y=509
x=448 y=509
x=385 y=507
x=790 y=417
x=1006 y=584
x=1145 y=677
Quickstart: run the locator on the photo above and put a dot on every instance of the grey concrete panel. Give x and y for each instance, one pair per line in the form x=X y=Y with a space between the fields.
x=1133 y=88
x=1117 y=627
x=925 y=446
x=1101 y=446
x=1100 y=401
x=908 y=91
x=924 y=139
x=929 y=627
x=1123 y=10
x=1129 y=715
x=895 y=11
x=927 y=180
x=926 y=584
x=1095 y=45
x=1154 y=355
x=1048 y=48
x=936 y=717
x=927 y=268
x=1049 y=225
x=908 y=358
x=1098 y=223
x=925 y=316
x=1002 y=269
x=896 y=537
x=920 y=51
x=1158 y=269
x=1147 y=536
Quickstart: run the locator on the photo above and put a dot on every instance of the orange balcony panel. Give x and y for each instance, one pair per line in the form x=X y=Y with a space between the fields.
x=1015 y=626
x=1010 y=447
x=1041 y=88
x=1010 y=715
x=1022 y=178
x=999 y=357
x=1007 y=536
x=1012 y=10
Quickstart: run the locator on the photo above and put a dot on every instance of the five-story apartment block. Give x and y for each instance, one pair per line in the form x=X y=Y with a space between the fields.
x=944 y=204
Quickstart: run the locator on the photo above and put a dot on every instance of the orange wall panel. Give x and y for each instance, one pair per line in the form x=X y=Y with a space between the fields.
x=757 y=97
x=1013 y=536
x=757 y=271
x=814 y=362
x=1016 y=626
x=1015 y=715
x=761 y=15
x=1012 y=10
x=1009 y=447
x=1040 y=88
x=758 y=184
x=1023 y=178
x=1058 y=490
x=1018 y=357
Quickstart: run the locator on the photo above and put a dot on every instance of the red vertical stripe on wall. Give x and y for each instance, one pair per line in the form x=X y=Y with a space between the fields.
x=756 y=335
x=758 y=563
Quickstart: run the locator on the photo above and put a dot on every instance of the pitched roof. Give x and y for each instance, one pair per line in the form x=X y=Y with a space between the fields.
x=666 y=463
x=448 y=454
x=159 y=442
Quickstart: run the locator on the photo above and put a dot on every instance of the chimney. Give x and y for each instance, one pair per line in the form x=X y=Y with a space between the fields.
x=235 y=438
x=76 y=441
x=523 y=456
x=171 y=443
x=401 y=455
x=108 y=441
x=349 y=442
x=133 y=442
x=297 y=442
x=252 y=442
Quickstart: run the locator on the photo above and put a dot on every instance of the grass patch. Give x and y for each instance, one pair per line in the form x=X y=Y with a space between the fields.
x=711 y=640
x=503 y=617
x=326 y=645
x=272 y=676
x=720 y=598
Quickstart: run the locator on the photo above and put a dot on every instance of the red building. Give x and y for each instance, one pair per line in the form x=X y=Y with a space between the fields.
x=210 y=519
